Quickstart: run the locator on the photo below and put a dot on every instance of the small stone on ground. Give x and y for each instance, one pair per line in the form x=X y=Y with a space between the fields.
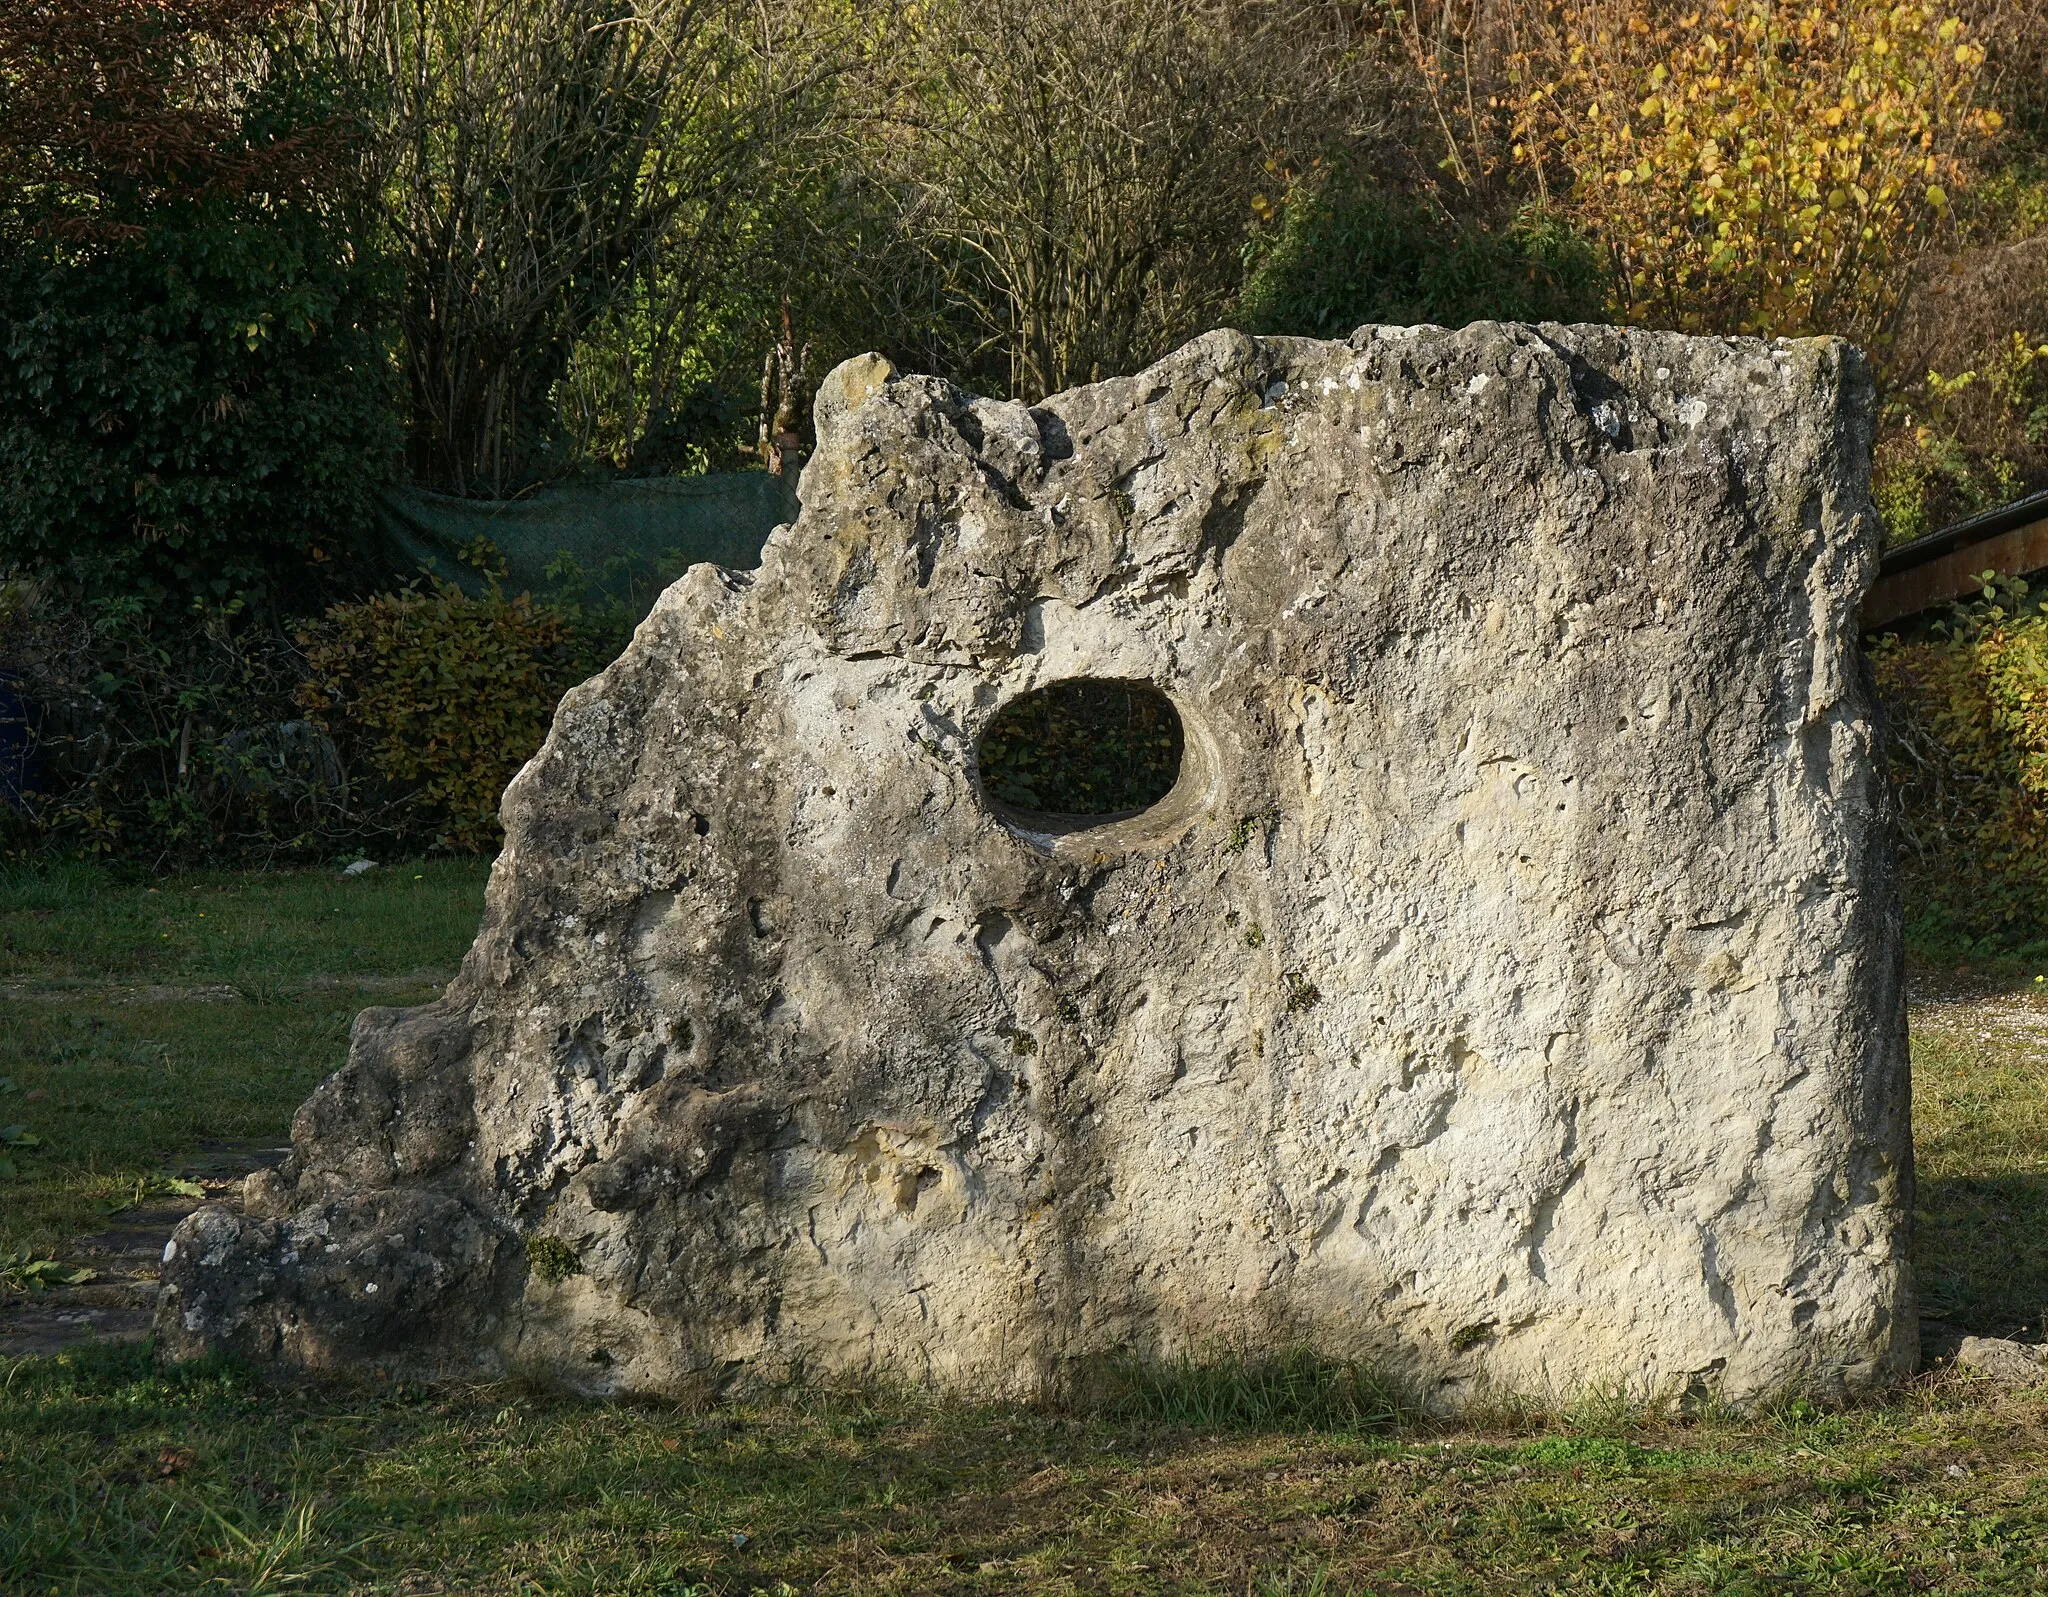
x=2007 y=1362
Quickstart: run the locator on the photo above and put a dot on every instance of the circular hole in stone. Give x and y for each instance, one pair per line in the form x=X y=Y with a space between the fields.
x=1082 y=752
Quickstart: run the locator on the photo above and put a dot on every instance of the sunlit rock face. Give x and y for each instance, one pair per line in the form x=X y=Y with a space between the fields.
x=1507 y=991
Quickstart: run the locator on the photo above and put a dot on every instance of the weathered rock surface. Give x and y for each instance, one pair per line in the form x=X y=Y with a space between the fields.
x=2004 y=1361
x=1509 y=992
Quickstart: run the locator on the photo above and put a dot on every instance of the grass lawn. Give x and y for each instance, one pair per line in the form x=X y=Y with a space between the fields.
x=140 y=1020
x=143 y=1021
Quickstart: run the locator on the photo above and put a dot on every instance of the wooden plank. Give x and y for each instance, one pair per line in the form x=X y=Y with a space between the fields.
x=2019 y=552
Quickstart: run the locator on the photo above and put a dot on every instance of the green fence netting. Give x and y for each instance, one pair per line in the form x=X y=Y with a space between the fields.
x=625 y=539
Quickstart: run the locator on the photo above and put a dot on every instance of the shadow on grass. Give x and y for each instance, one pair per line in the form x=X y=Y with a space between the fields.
x=1227 y=1391
x=138 y=1479
x=1982 y=1252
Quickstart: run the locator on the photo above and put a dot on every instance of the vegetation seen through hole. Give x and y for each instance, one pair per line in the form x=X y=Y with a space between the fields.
x=1083 y=747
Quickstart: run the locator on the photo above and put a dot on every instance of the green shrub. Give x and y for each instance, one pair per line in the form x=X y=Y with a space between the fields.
x=196 y=399
x=1083 y=747
x=136 y=731
x=1348 y=252
x=436 y=698
x=1967 y=746
x=156 y=733
x=1954 y=446
x=201 y=409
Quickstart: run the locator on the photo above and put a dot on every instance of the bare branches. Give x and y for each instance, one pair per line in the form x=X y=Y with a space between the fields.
x=1455 y=55
x=1088 y=172
x=542 y=157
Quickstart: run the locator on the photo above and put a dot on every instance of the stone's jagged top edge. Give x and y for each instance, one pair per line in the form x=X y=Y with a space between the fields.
x=854 y=382
x=1639 y=367
x=846 y=387
x=1641 y=364
x=1638 y=361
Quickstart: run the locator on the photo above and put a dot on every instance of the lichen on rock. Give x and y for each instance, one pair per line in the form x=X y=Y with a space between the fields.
x=1507 y=992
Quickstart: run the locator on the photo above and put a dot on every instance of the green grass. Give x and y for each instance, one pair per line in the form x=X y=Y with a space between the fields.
x=1212 y=1477
x=140 y=1020
x=118 y=1478
x=1980 y=1112
x=78 y=924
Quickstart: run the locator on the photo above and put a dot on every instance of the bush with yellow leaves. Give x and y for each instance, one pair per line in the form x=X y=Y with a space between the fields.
x=1957 y=444
x=1753 y=166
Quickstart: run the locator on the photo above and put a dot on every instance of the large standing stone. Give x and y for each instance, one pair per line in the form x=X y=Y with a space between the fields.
x=1508 y=993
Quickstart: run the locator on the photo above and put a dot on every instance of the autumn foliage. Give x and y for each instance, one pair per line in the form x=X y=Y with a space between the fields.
x=1767 y=166
x=436 y=698
x=106 y=105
